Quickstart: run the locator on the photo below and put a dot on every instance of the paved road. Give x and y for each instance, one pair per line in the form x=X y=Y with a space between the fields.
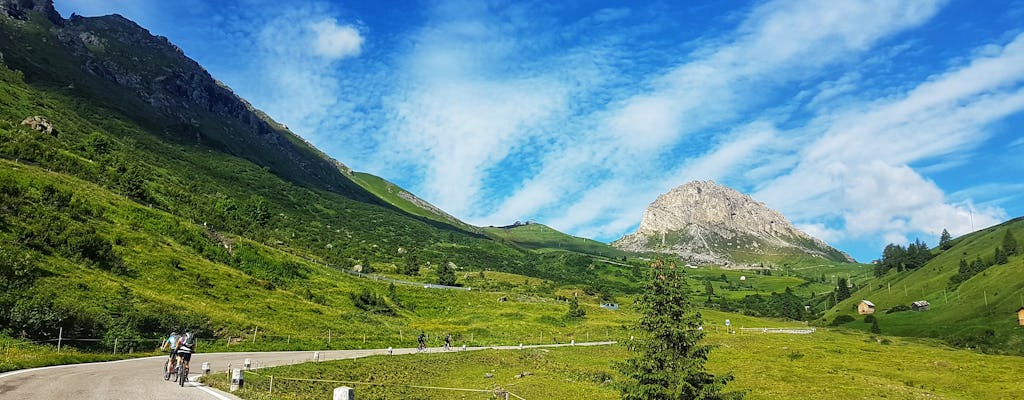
x=141 y=378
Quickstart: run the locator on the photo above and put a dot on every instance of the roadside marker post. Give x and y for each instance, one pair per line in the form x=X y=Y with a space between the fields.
x=237 y=379
x=344 y=393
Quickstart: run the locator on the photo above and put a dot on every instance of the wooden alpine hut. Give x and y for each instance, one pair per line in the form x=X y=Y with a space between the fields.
x=865 y=307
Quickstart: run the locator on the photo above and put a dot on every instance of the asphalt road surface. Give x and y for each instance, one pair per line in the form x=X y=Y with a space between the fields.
x=141 y=378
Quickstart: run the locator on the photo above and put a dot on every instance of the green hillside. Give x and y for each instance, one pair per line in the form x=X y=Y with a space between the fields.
x=406 y=201
x=124 y=223
x=979 y=312
x=541 y=237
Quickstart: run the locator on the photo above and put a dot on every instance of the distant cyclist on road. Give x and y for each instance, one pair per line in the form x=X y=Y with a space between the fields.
x=170 y=343
x=186 y=346
x=422 y=339
x=447 y=341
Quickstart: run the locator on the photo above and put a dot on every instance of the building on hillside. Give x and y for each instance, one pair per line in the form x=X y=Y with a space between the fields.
x=610 y=306
x=1020 y=316
x=865 y=307
x=919 y=305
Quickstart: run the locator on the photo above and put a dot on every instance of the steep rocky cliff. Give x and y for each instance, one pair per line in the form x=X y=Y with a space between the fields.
x=708 y=223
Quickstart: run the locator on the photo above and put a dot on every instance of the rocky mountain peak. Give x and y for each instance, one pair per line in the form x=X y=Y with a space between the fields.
x=708 y=203
x=711 y=223
x=19 y=9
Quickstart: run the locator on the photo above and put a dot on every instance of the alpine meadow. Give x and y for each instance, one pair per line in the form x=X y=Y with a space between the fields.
x=600 y=213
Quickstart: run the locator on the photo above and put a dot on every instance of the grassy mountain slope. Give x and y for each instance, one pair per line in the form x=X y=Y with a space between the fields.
x=541 y=237
x=980 y=312
x=119 y=66
x=406 y=201
x=126 y=223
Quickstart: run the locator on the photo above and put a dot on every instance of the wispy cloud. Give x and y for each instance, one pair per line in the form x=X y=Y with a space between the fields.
x=852 y=118
x=777 y=43
x=857 y=171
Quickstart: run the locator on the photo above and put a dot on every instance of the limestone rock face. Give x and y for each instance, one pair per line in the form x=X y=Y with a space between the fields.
x=708 y=223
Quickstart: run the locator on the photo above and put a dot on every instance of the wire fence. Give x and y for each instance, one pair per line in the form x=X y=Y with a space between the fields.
x=497 y=392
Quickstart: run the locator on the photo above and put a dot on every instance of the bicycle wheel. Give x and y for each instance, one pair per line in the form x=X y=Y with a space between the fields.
x=167 y=370
x=182 y=373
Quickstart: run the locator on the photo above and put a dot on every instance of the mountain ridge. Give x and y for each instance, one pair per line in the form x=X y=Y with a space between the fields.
x=166 y=88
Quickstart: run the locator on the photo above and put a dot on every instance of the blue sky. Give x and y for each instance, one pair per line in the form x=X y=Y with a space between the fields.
x=864 y=122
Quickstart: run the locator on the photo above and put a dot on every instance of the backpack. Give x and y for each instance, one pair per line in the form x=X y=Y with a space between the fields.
x=189 y=340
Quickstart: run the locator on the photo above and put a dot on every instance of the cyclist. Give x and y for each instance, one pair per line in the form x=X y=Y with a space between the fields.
x=447 y=341
x=186 y=346
x=422 y=339
x=170 y=343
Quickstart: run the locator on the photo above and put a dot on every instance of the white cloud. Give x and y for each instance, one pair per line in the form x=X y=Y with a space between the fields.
x=779 y=42
x=334 y=41
x=857 y=170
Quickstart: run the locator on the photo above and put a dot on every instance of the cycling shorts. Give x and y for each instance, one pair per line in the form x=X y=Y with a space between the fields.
x=185 y=355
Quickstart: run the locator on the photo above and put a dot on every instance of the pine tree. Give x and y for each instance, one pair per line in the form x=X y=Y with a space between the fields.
x=669 y=356
x=445 y=274
x=874 y=326
x=1000 y=257
x=945 y=240
x=1010 y=244
x=575 y=312
x=842 y=291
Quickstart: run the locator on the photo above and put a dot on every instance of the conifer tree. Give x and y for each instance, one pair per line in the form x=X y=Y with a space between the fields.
x=945 y=240
x=1010 y=244
x=575 y=312
x=669 y=356
x=842 y=290
x=445 y=274
x=1000 y=257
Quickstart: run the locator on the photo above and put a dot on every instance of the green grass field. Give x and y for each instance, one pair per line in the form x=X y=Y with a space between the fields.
x=829 y=364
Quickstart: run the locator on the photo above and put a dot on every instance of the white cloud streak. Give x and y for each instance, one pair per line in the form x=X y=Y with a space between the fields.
x=778 y=42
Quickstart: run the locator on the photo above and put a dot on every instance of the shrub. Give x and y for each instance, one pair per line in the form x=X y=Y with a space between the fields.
x=869 y=318
x=842 y=319
x=898 y=308
x=372 y=302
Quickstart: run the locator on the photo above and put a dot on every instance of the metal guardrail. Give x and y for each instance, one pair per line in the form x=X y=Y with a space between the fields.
x=797 y=331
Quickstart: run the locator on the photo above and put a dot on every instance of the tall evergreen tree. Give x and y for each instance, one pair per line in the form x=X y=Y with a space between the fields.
x=1010 y=244
x=842 y=290
x=1000 y=257
x=945 y=240
x=669 y=356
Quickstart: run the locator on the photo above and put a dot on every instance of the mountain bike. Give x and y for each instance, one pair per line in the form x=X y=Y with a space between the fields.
x=182 y=371
x=170 y=369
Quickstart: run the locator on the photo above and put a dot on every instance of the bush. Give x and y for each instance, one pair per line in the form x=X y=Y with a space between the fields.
x=898 y=308
x=372 y=302
x=869 y=318
x=842 y=319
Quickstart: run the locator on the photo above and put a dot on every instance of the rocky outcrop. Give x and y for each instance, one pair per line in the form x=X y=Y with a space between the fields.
x=708 y=223
x=40 y=124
